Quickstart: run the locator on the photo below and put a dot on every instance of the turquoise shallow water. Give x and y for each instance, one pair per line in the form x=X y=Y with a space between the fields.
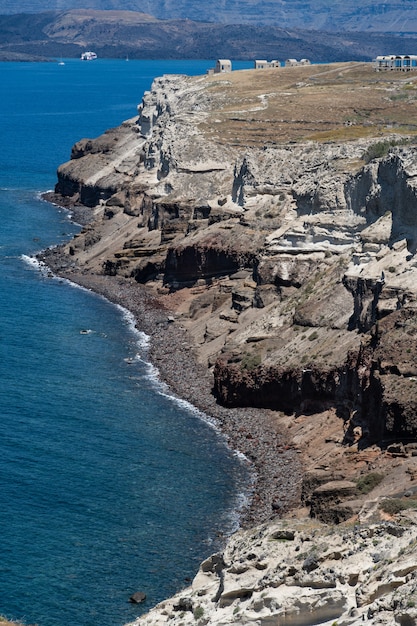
x=107 y=485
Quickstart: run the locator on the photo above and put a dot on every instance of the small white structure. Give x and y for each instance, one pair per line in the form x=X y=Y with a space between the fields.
x=88 y=56
x=295 y=63
x=399 y=62
x=263 y=64
x=223 y=65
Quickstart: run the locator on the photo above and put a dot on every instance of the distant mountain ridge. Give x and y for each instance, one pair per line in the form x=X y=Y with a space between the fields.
x=397 y=16
x=117 y=34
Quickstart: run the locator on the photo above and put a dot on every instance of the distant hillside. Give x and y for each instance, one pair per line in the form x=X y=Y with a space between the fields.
x=397 y=16
x=139 y=35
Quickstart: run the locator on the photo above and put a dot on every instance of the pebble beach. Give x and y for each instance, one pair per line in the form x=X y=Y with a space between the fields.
x=250 y=431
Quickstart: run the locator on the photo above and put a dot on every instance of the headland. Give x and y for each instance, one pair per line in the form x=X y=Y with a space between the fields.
x=262 y=227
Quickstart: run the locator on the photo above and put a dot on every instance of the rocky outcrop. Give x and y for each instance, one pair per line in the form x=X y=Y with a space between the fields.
x=290 y=264
x=304 y=251
x=302 y=573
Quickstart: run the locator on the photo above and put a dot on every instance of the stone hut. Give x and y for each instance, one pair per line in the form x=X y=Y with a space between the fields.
x=263 y=64
x=223 y=65
x=295 y=63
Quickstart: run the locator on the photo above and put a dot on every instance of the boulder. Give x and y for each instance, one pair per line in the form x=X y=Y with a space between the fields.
x=326 y=501
x=138 y=597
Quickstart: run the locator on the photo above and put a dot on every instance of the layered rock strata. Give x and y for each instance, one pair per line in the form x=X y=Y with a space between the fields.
x=273 y=214
x=296 y=260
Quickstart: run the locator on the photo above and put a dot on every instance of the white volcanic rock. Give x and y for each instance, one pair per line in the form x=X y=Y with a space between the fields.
x=300 y=573
x=168 y=117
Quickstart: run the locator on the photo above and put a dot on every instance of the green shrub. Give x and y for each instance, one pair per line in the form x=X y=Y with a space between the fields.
x=313 y=336
x=250 y=361
x=377 y=150
x=392 y=506
x=399 y=96
x=365 y=484
x=198 y=612
x=381 y=148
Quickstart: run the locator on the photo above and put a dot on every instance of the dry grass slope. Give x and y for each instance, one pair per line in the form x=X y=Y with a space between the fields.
x=337 y=102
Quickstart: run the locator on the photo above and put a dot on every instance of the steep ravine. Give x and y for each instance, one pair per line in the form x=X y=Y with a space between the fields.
x=289 y=262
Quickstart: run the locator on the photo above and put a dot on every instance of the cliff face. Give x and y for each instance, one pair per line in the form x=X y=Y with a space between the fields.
x=275 y=214
x=298 y=573
x=296 y=260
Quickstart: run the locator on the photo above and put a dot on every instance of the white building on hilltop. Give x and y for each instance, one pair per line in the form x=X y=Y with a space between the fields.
x=223 y=65
x=295 y=63
x=401 y=62
x=263 y=64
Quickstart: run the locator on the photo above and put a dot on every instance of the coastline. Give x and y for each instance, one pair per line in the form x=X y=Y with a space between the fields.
x=329 y=558
x=250 y=431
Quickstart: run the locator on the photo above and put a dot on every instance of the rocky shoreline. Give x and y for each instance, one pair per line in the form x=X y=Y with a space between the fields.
x=301 y=573
x=278 y=277
x=253 y=432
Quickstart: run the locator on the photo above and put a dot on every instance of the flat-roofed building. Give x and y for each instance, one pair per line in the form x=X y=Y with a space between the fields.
x=399 y=62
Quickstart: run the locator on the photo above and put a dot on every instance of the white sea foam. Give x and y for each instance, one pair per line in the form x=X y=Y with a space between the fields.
x=130 y=320
x=240 y=504
x=242 y=499
x=152 y=373
x=69 y=215
x=36 y=264
x=40 y=194
x=163 y=390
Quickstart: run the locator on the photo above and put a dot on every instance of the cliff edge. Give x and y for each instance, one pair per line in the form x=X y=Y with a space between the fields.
x=273 y=213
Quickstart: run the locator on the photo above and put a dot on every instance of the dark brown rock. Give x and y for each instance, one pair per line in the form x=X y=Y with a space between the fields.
x=138 y=597
x=327 y=501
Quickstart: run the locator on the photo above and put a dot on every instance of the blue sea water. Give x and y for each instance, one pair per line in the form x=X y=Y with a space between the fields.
x=107 y=485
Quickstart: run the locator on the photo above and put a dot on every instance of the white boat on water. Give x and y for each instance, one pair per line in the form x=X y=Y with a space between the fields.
x=88 y=56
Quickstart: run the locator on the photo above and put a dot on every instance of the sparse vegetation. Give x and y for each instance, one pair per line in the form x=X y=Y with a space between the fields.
x=381 y=148
x=392 y=506
x=366 y=483
x=198 y=612
x=399 y=96
x=250 y=361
